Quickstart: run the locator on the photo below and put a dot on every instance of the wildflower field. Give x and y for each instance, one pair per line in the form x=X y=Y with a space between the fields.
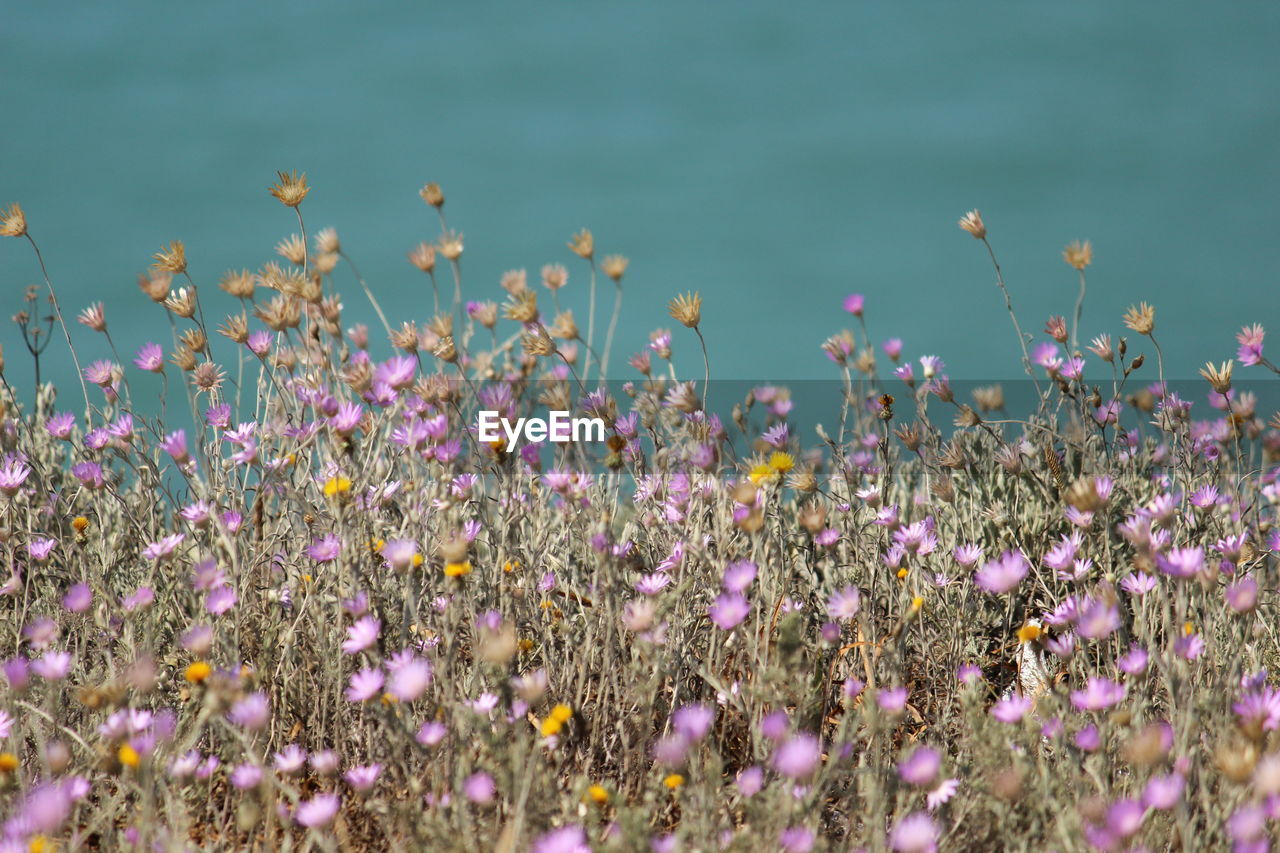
x=290 y=601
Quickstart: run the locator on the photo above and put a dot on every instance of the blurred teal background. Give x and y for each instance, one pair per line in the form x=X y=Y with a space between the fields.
x=773 y=156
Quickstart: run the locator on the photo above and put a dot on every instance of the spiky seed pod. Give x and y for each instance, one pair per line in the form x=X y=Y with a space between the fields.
x=238 y=283
x=171 y=258
x=291 y=188
x=432 y=195
x=686 y=309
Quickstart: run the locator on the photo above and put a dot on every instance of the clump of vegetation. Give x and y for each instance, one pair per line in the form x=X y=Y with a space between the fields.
x=268 y=590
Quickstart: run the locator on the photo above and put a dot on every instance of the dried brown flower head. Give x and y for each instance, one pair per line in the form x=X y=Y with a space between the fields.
x=686 y=309
x=172 y=258
x=451 y=245
x=13 y=222
x=1077 y=254
x=194 y=339
x=405 y=337
x=514 y=281
x=208 y=377
x=432 y=195
x=614 y=266
x=1141 y=318
x=184 y=359
x=423 y=257
x=182 y=302
x=238 y=283
x=324 y=263
x=235 y=327
x=441 y=325
x=291 y=189
x=554 y=276
x=1219 y=377
x=564 y=326
x=282 y=312
x=156 y=285
x=327 y=242
x=292 y=249
x=522 y=307
x=446 y=350
x=486 y=314
x=990 y=398
x=537 y=342
x=583 y=244
x=972 y=222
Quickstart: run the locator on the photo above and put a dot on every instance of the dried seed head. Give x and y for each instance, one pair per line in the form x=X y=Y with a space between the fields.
x=327 y=242
x=451 y=245
x=292 y=249
x=1141 y=318
x=291 y=189
x=514 y=281
x=537 y=342
x=1083 y=495
x=184 y=359
x=972 y=222
x=446 y=351
x=13 y=222
x=686 y=309
x=564 y=326
x=583 y=244
x=522 y=307
x=358 y=375
x=432 y=195
x=208 y=377
x=235 y=327
x=812 y=516
x=802 y=479
x=156 y=285
x=953 y=455
x=239 y=283
x=172 y=258
x=1219 y=377
x=441 y=325
x=324 y=263
x=1077 y=254
x=745 y=492
x=1010 y=459
x=944 y=490
x=405 y=337
x=990 y=398
x=182 y=302
x=1236 y=760
x=554 y=276
x=486 y=314
x=1148 y=746
x=194 y=340
x=909 y=435
x=614 y=266
x=967 y=417
x=423 y=257
x=282 y=312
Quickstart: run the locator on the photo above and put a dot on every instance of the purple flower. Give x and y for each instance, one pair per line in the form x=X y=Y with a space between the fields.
x=749 y=781
x=739 y=575
x=410 y=679
x=892 y=699
x=364 y=685
x=728 y=610
x=361 y=635
x=12 y=476
x=1124 y=818
x=1162 y=792
x=968 y=673
x=150 y=357
x=52 y=666
x=252 y=712
x=921 y=767
x=246 y=776
x=853 y=303
x=220 y=599
x=774 y=725
x=1181 y=562
x=60 y=426
x=325 y=549
x=915 y=833
x=291 y=759
x=1002 y=574
x=693 y=722
x=798 y=756
x=362 y=778
x=796 y=839
x=164 y=547
x=431 y=733
x=945 y=790
x=479 y=787
x=844 y=604
x=1011 y=708
x=1259 y=707
x=1242 y=594
x=566 y=839
x=1134 y=661
x=1099 y=694
x=1088 y=738
x=319 y=811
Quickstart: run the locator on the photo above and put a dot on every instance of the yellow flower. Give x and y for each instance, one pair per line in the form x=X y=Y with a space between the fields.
x=673 y=781
x=1188 y=629
x=457 y=570
x=197 y=672
x=39 y=844
x=336 y=486
x=598 y=795
x=760 y=473
x=525 y=644
x=510 y=566
x=562 y=713
x=417 y=560
x=389 y=699
x=128 y=756
x=902 y=574
x=306 y=578
x=376 y=545
x=1027 y=633
x=8 y=762
x=550 y=726
x=79 y=523
x=781 y=462
x=917 y=604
